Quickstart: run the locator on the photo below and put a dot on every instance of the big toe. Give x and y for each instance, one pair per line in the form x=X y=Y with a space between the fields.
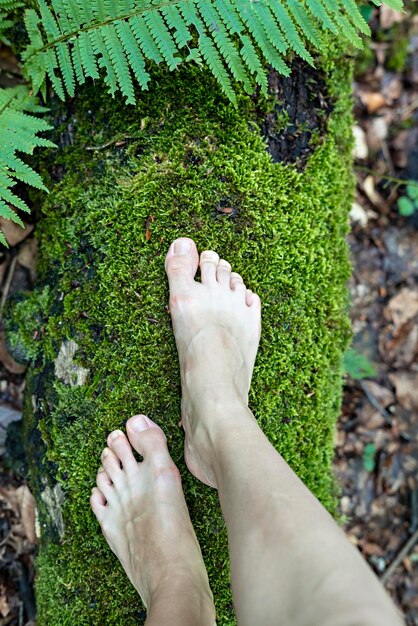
x=181 y=263
x=148 y=439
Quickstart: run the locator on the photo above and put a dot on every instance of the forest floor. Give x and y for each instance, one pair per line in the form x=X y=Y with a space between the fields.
x=376 y=459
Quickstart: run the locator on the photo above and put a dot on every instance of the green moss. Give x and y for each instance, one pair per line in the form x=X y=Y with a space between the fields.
x=186 y=153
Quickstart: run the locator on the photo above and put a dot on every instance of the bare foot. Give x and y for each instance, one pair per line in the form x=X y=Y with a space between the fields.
x=145 y=520
x=217 y=324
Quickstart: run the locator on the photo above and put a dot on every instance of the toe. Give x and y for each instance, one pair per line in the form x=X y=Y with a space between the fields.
x=121 y=447
x=249 y=297
x=147 y=438
x=104 y=484
x=111 y=465
x=223 y=272
x=181 y=264
x=237 y=284
x=208 y=265
x=252 y=299
x=98 y=503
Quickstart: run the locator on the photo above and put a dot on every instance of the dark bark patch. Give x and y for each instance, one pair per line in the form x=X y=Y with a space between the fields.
x=303 y=99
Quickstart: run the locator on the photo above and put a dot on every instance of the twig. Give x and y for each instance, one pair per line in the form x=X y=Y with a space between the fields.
x=109 y=143
x=393 y=179
x=400 y=557
x=375 y=402
x=7 y=284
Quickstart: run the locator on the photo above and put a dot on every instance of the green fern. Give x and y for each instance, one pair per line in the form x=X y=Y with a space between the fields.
x=71 y=40
x=19 y=133
x=6 y=6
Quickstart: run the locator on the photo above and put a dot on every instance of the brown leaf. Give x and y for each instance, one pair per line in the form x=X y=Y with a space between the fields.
x=148 y=223
x=402 y=307
x=406 y=386
x=383 y=395
x=373 y=101
x=27 y=512
x=13 y=232
x=7 y=360
x=27 y=256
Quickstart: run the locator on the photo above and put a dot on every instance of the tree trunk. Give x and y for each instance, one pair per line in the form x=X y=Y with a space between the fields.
x=268 y=186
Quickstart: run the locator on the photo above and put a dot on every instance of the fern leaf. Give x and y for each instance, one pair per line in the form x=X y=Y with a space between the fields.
x=225 y=46
x=230 y=17
x=18 y=130
x=319 y=12
x=305 y=23
x=66 y=67
x=51 y=66
x=23 y=172
x=49 y=22
x=182 y=34
x=78 y=65
x=162 y=37
x=145 y=38
x=119 y=62
x=66 y=24
x=99 y=47
x=135 y=57
x=252 y=61
x=348 y=31
x=269 y=25
x=188 y=11
x=32 y=21
x=85 y=46
x=214 y=62
x=289 y=30
x=355 y=16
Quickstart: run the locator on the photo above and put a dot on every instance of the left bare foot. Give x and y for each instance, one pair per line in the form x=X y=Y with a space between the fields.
x=145 y=520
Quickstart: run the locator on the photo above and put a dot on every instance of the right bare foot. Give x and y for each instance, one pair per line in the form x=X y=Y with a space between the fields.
x=217 y=325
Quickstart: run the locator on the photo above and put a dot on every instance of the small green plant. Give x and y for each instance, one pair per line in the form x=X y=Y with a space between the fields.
x=408 y=204
x=19 y=133
x=357 y=365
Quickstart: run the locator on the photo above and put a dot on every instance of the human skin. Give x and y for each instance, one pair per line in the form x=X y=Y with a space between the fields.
x=290 y=562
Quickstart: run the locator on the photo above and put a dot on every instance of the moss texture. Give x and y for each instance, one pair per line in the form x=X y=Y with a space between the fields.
x=186 y=154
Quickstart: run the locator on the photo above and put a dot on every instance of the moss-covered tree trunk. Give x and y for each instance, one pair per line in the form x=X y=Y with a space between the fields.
x=268 y=186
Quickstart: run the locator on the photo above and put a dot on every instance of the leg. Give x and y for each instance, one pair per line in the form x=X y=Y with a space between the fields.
x=144 y=517
x=291 y=564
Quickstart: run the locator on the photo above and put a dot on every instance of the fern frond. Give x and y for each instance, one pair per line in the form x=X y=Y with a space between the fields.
x=252 y=61
x=216 y=66
x=269 y=25
x=134 y=55
x=119 y=62
x=289 y=30
x=145 y=38
x=305 y=22
x=320 y=13
x=19 y=130
x=349 y=31
x=224 y=44
x=71 y=40
x=356 y=17
x=182 y=34
x=162 y=38
x=6 y=7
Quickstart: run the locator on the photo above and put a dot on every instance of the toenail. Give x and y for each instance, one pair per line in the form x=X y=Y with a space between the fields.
x=182 y=246
x=208 y=254
x=139 y=423
x=115 y=434
x=105 y=452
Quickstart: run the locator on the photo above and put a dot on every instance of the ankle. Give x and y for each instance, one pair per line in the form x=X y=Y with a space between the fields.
x=184 y=601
